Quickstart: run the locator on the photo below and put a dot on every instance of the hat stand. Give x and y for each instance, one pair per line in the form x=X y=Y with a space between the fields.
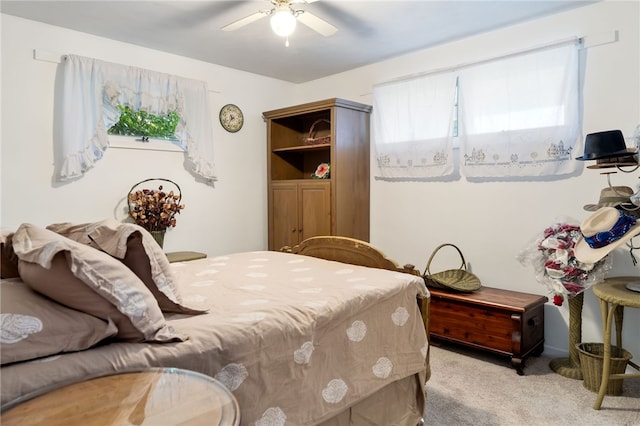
x=628 y=171
x=570 y=367
x=629 y=209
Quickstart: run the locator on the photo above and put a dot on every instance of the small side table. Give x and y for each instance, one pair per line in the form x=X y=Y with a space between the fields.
x=183 y=256
x=155 y=396
x=614 y=296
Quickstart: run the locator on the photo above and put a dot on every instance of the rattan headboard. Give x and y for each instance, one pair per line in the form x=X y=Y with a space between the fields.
x=348 y=250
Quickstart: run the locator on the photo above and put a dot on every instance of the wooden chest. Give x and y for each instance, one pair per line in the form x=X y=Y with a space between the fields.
x=501 y=321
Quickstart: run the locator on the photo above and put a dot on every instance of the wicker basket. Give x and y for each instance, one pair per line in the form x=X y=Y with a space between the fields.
x=312 y=139
x=591 y=360
x=452 y=279
x=156 y=228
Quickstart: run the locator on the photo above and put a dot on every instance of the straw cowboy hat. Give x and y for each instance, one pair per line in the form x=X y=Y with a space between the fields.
x=604 y=144
x=612 y=196
x=604 y=231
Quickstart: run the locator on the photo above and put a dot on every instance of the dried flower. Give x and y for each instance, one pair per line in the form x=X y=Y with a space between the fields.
x=154 y=210
x=322 y=171
x=556 y=266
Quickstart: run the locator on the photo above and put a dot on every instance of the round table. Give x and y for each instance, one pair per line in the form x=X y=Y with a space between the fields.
x=614 y=296
x=162 y=396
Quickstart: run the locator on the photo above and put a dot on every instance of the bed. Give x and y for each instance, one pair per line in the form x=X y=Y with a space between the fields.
x=329 y=332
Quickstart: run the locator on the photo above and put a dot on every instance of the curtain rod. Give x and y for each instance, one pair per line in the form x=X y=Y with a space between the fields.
x=57 y=58
x=551 y=45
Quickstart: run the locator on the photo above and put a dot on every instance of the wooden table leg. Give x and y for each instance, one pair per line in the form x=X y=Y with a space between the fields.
x=607 y=319
x=619 y=317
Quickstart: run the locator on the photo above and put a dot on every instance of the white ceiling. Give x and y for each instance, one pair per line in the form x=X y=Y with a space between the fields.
x=368 y=31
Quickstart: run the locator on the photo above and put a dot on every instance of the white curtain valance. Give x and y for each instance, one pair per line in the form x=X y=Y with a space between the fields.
x=412 y=126
x=93 y=89
x=520 y=116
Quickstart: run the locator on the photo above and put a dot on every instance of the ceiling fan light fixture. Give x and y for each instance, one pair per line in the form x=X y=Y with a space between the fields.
x=283 y=22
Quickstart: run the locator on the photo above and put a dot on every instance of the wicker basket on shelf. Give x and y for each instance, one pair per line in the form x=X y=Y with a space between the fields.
x=312 y=139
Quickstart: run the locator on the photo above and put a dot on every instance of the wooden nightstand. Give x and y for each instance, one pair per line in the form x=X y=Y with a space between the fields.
x=183 y=256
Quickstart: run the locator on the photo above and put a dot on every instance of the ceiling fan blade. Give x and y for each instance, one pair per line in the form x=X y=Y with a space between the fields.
x=244 y=21
x=317 y=24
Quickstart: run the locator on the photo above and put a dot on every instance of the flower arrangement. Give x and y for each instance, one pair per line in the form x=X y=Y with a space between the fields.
x=322 y=171
x=556 y=266
x=154 y=210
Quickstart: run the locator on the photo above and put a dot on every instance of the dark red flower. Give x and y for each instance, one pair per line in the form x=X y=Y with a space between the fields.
x=571 y=271
x=550 y=264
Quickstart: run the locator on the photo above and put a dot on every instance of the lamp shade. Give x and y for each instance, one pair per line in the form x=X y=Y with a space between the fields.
x=283 y=23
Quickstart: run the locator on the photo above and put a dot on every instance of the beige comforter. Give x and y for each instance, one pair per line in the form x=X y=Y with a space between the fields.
x=296 y=339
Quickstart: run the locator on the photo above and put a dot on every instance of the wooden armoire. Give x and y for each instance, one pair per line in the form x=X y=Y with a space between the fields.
x=301 y=137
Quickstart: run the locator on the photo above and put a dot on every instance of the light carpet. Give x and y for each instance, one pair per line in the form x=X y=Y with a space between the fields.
x=469 y=387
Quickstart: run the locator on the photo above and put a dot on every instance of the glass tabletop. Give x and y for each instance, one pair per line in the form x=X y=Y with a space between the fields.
x=159 y=396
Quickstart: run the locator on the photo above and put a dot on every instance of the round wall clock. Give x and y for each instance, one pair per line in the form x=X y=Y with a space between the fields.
x=231 y=118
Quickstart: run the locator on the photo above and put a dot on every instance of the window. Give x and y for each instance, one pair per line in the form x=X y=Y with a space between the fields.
x=515 y=116
x=520 y=116
x=145 y=124
x=144 y=130
x=95 y=97
x=412 y=126
x=455 y=111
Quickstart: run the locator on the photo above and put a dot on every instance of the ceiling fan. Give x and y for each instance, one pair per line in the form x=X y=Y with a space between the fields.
x=284 y=17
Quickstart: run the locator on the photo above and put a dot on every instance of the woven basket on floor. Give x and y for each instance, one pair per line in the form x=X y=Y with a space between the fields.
x=591 y=360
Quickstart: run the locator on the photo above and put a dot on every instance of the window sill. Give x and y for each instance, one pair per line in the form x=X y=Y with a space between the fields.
x=130 y=142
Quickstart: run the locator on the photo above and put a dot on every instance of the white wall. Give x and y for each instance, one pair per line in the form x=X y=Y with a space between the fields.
x=226 y=218
x=491 y=222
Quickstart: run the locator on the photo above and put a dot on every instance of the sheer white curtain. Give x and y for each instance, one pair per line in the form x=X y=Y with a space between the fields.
x=521 y=116
x=93 y=89
x=412 y=126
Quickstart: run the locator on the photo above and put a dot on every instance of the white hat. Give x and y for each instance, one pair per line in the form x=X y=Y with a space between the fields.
x=604 y=231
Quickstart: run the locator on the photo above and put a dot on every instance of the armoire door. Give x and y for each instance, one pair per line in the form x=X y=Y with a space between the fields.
x=315 y=209
x=283 y=215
